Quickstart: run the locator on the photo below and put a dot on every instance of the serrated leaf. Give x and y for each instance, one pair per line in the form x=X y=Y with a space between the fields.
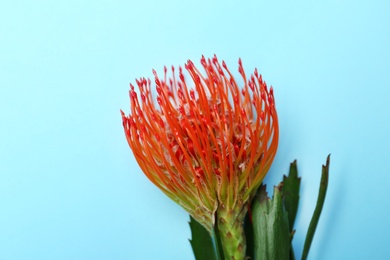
x=318 y=209
x=217 y=240
x=279 y=227
x=270 y=226
x=291 y=188
x=260 y=212
x=201 y=242
x=248 y=229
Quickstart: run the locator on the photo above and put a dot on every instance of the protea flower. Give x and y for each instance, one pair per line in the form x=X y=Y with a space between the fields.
x=206 y=142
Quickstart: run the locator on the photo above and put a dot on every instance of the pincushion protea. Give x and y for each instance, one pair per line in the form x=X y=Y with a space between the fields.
x=206 y=142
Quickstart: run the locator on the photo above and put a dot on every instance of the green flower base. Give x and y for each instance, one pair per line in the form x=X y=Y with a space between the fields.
x=268 y=225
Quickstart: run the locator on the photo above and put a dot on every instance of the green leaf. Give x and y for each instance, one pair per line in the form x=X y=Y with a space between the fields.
x=291 y=189
x=201 y=242
x=291 y=193
x=217 y=240
x=248 y=229
x=260 y=207
x=318 y=209
x=270 y=226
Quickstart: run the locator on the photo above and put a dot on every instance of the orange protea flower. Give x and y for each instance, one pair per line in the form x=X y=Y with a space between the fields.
x=205 y=142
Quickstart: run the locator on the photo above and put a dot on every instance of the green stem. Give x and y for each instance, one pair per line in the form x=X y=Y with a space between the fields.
x=231 y=232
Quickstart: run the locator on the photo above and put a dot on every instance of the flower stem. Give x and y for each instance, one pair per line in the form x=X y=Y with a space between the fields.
x=231 y=232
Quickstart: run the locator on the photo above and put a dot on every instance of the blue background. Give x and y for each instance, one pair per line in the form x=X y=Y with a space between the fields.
x=69 y=185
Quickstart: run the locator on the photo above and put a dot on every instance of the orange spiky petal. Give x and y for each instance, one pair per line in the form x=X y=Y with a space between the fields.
x=208 y=145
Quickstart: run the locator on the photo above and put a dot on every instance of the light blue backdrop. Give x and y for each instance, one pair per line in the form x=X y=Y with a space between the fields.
x=69 y=185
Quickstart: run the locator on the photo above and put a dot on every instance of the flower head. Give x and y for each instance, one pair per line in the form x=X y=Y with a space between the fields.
x=204 y=141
